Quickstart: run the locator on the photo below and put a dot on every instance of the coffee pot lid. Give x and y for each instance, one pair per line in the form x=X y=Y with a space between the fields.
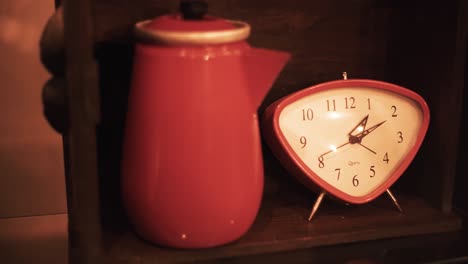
x=191 y=26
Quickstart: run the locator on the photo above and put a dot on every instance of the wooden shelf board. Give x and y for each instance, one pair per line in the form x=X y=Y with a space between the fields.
x=281 y=226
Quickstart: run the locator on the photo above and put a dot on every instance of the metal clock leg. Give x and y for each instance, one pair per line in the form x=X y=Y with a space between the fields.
x=316 y=205
x=395 y=202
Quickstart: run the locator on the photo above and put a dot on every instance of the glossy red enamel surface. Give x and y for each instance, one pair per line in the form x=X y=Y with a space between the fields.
x=192 y=174
x=283 y=151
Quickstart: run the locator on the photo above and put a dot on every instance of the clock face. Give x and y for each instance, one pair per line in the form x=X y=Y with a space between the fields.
x=353 y=138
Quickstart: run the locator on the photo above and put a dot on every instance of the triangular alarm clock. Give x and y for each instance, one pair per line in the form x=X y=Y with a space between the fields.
x=351 y=139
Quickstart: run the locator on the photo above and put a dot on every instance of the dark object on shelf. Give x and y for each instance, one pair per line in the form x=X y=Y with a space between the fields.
x=52 y=52
x=54 y=102
x=193 y=9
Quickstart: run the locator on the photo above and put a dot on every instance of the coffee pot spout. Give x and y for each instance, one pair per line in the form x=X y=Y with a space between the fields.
x=264 y=67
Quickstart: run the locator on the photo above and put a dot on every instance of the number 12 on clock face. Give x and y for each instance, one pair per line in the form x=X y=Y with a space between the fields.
x=351 y=138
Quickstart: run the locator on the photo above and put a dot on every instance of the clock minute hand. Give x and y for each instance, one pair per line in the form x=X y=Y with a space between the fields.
x=366 y=132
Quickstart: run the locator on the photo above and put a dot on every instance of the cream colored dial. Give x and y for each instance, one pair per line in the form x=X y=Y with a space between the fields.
x=353 y=138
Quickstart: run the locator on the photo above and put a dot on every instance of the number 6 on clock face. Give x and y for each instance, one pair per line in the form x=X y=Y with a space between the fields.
x=350 y=138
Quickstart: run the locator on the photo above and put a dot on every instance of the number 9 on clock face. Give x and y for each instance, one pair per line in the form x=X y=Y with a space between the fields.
x=351 y=138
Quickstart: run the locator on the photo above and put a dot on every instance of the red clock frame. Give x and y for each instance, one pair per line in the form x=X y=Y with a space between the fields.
x=293 y=163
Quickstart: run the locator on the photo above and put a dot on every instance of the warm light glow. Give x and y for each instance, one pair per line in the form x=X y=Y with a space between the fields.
x=22 y=35
x=333 y=147
x=360 y=129
x=183 y=53
x=334 y=115
x=11 y=30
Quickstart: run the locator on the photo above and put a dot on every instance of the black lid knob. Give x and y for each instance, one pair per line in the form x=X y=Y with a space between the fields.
x=193 y=9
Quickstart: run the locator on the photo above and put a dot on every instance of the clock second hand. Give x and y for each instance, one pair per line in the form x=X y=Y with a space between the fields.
x=342 y=145
x=334 y=149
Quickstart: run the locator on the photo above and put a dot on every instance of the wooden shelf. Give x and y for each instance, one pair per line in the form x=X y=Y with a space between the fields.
x=417 y=44
x=283 y=226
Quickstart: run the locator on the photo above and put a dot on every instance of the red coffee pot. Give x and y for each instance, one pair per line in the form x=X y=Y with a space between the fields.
x=192 y=173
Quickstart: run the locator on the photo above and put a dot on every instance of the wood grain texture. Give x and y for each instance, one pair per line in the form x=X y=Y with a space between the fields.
x=449 y=247
x=282 y=225
x=80 y=141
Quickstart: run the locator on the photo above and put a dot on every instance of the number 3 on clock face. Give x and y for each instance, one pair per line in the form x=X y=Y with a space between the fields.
x=351 y=138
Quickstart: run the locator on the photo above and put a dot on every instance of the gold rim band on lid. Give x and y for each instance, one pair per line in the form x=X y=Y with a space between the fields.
x=239 y=33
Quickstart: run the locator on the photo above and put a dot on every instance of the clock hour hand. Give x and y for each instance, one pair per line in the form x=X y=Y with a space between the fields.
x=360 y=126
x=357 y=139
